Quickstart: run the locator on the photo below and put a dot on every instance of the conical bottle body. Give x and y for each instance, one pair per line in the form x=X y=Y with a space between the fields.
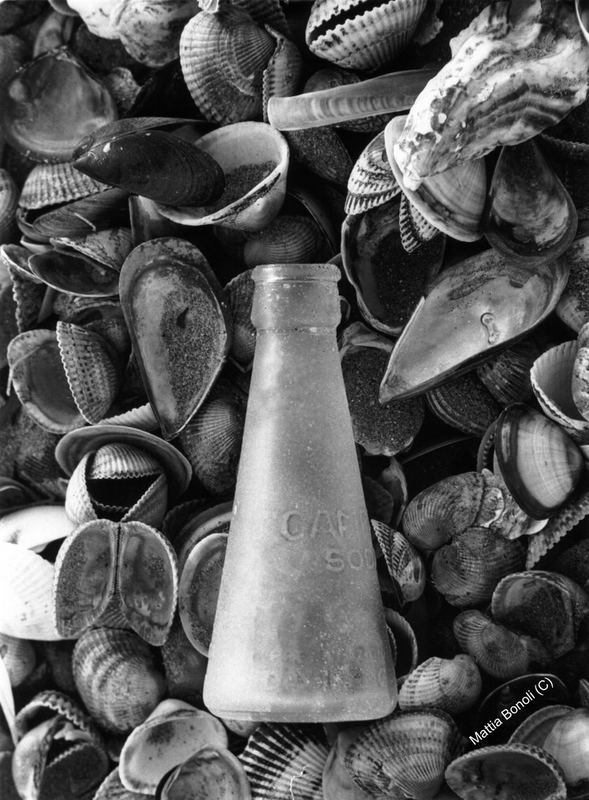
x=299 y=633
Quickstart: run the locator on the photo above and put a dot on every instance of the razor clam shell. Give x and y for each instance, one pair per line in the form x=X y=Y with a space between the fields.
x=452 y=685
x=534 y=58
x=210 y=770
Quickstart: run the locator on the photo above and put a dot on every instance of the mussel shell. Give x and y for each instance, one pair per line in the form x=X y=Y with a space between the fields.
x=74 y=274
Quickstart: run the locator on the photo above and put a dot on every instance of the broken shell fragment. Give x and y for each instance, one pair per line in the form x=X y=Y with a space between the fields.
x=179 y=324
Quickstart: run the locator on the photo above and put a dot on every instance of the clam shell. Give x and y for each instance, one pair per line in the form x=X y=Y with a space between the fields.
x=74 y=274
x=464 y=403
x=453 y=202
x=45 y=702
x=361 y=35
x=403 y=642
x=172 y=733
x=199 y=589
x=117 y=677
x=212 y=520
x=111 y=788
x=96 y=16
x=123 y=87
x=18 y=656
x=240 y=293
x=99 y=211
x=289 y=239
x=322 y=152
x=211 y=769
x=541 y=465
x=282 y=759
x=566 y=741
x=29 y=300
x=25 y=591
x=507 y=375
x=40 y=119
x=498 y=302
x=109 y=247
x=186 y=333
x=497 y=650
x=40 y=382
x=467 y=569
x=185 y=668
x=580 y=376
x=404 y=755
x=371 y=182
x=9 y=195
x=404 y=563
x=452 y=685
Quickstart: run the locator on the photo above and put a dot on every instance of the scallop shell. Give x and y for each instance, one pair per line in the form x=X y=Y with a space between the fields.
x=497 y=650
x=530 y=773
x=117 y=677
x=404 y=755
x=467 y=569
x=452 y=685
x=509 y=49
x=199 y=589
x=404 y=563
x=449 y=507
x=371 y=182
x=360 y=35
x=280 y=760
x=211 y=769
x=172 y=733
x=289 y=239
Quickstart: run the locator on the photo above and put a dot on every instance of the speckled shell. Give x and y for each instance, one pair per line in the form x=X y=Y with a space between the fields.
x=117 y=677
x=404 y=755
x=467 y=569
x=360 y=35
x=497 y=650
x=371 y=182
x=510 y=49
x=109 y=247
x=530 y=773
x=452 y=685
x=211 y=769
x=171 y=734
x=281 y=758
x=404 y=563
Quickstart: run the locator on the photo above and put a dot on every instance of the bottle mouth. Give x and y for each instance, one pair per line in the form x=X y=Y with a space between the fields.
x=268 y=273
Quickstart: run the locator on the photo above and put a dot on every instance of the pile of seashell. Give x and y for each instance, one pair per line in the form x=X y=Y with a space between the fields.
x=438 y=151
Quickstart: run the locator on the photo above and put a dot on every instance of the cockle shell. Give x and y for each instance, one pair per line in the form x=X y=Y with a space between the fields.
x=580 y=376
x=526 y=54
x=126 y=569
x=50 y=702
x=361 y=35
x=371 y=182
x=414 y=228
x=404 y=563
x=485 y=773
x=404 y=755
x=53 y=184
x=452 y=685
x=117 y=677
x=172 y=733
x=211 y=769
x=337 y=783
x=9 y=195
x=403 y=642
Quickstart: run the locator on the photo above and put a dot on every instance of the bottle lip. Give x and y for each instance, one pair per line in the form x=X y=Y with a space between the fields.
x=267 y=273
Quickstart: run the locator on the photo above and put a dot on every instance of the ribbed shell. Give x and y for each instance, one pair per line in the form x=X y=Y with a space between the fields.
x=404 y=755
x=111 y=788
x=223 y=57
x=60 y=704
x=449 y=507
x=497 y=650
x=403 y=561
x=557 y=527
x=28 y=295
x=287 y=240
x=551 y=378
x=360 y=35
x=282 y=75
x=240 y=292
x=117 y=677
x=52 y=184
x=9 y=195
x=26 y=582
x=337 y=782
x=371 y=182
x=18 y=656
x=507 y=375
x=109 y=247
x=403 y=642
x=452 y=685
x=467 y=569
x=580 y=377
x=280 y=760
x=464 y=403
x=414 y=228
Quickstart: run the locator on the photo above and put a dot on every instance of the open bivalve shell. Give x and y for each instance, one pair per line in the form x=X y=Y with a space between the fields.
x=127 y=571
x=179 y=324
x=212 y=770
x=173 y=732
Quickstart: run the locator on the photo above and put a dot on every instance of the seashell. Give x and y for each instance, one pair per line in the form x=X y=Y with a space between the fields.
x=154 y=164
x=497 y=301
x=453 y=201
x=25 y=591
x=123 y=87
x=92 y=369
x=545 y=605
x=40 y=383
x=34 y=527
x=29 y=299
x=452 y=685
x=111 y=788
x=147 y=223
x=96 y=16
x=322 y=152
x=464 y=403
x=403 y=642
x=404 y=563
x=282 y=74
x=579 y=379
x=507 y=375
x=117 y=677
x=393 y=92
x=467 y=569
x=108 y=247
x=14 y=54
x=186 y=333
x=282 y=759
x=172 y=733
x=389 y=282
x=337 y=783
x=497 y=650
x=199 y=589
x=49 y=702
x=289 y=239
x=524 y=54
x=8 y=203
x=40 y=119
x=55 y=30
x=74 y=446
x=18 y=656
x=54 y=184
x=254 y=158
x=371 y=182
x=99 y=211
x=150 y=29
x=184 y=667
x=540 y=463
x=212 y=439
x=211 y=769
x=361 y=35
x=451 y=506
x=240 y=293
x=404 y=755
x=414 y=228
x=74 y=274
x=528 y=771
x=333 y=77
x=573 y=308
x=530 y=214
x=129 y=565
x=212 y=520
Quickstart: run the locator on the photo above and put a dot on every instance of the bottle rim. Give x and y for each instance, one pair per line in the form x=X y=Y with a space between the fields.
x=268 y=273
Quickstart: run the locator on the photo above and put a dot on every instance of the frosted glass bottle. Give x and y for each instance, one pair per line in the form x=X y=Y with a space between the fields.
x=299 y=633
